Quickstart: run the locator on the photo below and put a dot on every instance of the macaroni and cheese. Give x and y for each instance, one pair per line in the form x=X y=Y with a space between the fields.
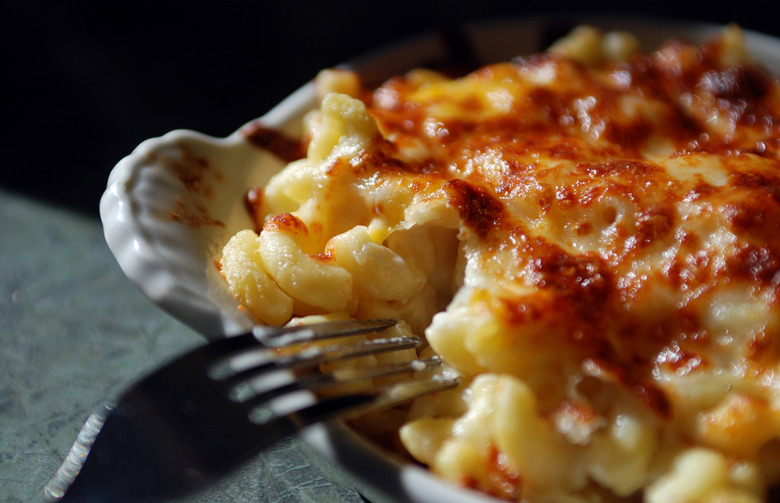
x=590 y=236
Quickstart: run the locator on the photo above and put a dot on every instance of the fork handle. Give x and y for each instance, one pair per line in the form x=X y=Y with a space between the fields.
x=56 y=489
x=126 y=464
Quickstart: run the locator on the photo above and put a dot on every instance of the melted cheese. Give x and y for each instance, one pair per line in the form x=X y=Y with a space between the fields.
x=591 y=236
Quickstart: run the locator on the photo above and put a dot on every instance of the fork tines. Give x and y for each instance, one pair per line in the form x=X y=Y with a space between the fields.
x=269 y=382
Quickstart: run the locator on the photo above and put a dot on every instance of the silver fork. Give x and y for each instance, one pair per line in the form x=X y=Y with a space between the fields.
x=212 y=409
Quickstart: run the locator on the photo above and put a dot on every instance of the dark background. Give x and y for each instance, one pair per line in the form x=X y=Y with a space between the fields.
x=87 y=82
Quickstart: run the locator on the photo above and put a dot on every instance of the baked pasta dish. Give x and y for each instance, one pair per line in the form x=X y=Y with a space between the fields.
x=589 y=236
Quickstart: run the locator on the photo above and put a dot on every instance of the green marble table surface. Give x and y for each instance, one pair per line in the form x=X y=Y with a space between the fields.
x=75 y=331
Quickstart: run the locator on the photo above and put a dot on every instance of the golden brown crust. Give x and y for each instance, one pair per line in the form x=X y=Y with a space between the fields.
x=580 y=122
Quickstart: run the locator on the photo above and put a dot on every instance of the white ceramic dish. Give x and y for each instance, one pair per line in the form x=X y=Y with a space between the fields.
x=175 y=200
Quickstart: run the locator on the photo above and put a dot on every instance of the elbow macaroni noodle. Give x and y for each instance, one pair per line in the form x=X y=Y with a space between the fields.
x=589 y=236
